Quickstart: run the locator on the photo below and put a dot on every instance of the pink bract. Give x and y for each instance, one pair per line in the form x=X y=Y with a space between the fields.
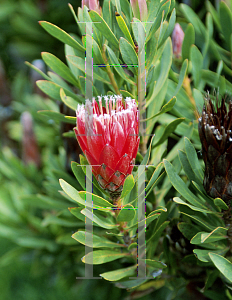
x=109 y=137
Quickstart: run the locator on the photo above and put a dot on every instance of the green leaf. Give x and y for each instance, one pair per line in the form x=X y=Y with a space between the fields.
x=167 y=107
x=170 y=128
x=222 y=264
x=59 y=67
x=128 y=185
x=84 y=238
x=11 y=255
x=127 y=94
x=125 y=30
x=170 y=26
x=189 y=40
x=197 y=217
x=64 y=222
x=155 y=264
x=79 y=174
x=69 y=101
x=80 y=64
x=97 y=56
x=119 y=274
x=98 y=201
x=79 y=197
x=53 y=90
x=56 y=116
x=155 y=237
x=126 y=214
x=180 y=186
x=76 y=211
x=131 y=283
x=183 y=71
x=213 y=80
x=180 y=201
x=147 y=155
x=225 y=15
x=155 y=25
x=197 y=64
x=98 y=219
x=61 y=35
x=38 y=71
x=220 y=203
x=72 y=193
x=187 y=229
x=186 y=166
x=155 y=175
x=150 y=218
x=217 y=234
x=103 y=27
x=129 y=55
x=117 y=66
x=203 y=255
x=193 y=159
x=102 y=256
x=165 y=65
x=59 y=81
x=214 y=14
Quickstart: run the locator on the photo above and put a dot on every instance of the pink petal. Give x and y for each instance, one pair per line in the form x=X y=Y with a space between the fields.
x=92 y=161
x=102 y=181
x=117 y=138
x=130 y=143
x=109 y=157
x=134 y=154
x=95 y=145
x=123 y=164
x=81 y=140
x=117 y=178
x=105 y=172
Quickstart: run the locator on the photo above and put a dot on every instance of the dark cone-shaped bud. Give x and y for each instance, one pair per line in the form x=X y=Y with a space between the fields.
x=215 y=127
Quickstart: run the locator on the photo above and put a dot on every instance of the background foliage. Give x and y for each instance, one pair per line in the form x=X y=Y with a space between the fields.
x=35 y=223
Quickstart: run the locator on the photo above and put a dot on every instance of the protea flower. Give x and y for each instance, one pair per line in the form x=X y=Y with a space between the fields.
x=108 y=136
x=215 y=127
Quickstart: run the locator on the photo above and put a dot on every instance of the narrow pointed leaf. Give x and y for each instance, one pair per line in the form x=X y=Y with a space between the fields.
x=103 y=27
x=222 y=264
x=102 y=256
x=128 y=185
x=61 y=35
x=126 y=214
x=180 y=186
x=119 y=274
x=98 y=241
x=59 y=67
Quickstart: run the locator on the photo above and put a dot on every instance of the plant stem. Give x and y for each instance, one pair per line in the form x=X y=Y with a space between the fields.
x=110 y=73
x=187 y=87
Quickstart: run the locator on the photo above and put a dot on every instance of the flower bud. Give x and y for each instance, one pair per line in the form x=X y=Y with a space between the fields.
x=177 y=40
x=30 y=150
x=92 y=5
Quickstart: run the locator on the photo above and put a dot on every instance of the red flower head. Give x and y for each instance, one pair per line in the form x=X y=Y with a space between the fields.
x=108 y=136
